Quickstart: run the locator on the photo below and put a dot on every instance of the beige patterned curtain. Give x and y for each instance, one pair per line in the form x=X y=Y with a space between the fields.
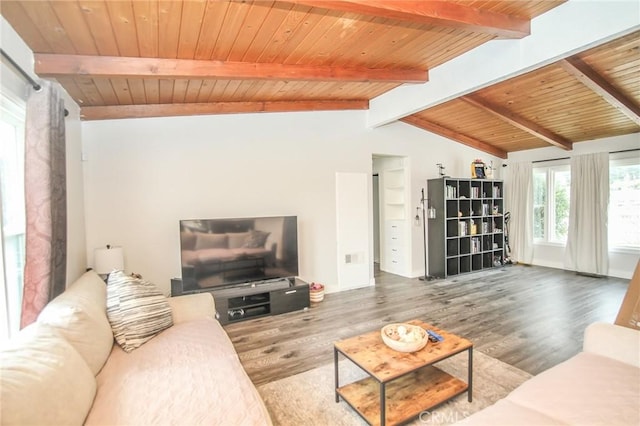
x=46 y=202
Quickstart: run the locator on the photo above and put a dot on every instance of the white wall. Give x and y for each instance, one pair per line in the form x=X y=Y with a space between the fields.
x=76 y=230
x=143 y=175
x=76 y=243
x=621 y=263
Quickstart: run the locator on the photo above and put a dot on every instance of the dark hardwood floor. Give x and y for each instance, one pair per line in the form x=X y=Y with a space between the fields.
x=528 y=316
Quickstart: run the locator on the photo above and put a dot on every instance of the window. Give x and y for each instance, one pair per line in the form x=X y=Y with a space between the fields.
x=551 y=190
x=551 y=214
x=624 y=203
x=12 y=216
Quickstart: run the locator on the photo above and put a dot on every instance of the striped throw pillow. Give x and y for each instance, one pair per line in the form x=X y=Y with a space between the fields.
x=136 y=310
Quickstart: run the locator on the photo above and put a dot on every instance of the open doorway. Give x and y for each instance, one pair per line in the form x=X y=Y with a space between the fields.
x=391 y=214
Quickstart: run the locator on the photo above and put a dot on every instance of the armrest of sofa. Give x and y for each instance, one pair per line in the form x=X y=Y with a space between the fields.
x=613 y=341
x=192 y=306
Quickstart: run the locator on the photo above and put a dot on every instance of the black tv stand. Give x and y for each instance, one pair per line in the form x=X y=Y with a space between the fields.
x=254 y=300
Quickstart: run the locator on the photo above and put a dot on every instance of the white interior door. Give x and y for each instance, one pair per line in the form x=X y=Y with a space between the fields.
x=352 y=224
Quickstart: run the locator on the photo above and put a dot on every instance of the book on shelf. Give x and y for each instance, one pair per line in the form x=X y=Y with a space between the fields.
x=462 y=229
x=475 y=245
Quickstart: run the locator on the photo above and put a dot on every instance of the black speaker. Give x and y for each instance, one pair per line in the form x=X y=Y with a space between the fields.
x=176 y=286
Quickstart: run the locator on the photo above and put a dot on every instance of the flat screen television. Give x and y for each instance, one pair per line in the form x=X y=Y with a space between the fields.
x=223 y=252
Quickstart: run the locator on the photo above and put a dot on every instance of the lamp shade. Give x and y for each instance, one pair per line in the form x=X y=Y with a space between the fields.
x=108 y=259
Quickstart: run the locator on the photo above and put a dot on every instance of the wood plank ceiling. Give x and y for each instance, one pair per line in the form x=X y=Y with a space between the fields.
x=592 y=95
x=134 y=58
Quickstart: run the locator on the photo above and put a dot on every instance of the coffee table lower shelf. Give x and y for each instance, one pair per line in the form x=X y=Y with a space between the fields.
x=405 y=397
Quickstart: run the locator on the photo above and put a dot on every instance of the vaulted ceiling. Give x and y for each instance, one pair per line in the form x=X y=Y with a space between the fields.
x=592 y=95
x=122 y=59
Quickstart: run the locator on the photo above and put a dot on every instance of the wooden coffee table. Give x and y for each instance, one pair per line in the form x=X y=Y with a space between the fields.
x=401 y=385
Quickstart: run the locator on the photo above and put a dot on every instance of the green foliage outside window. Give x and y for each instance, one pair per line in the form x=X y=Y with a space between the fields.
x=539 y=204
x=551 y=213
x=562 y=182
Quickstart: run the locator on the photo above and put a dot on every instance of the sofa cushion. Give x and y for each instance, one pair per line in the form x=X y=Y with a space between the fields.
x=189 y=307
x=613 y=341
x=586 y=389
x=79 y=315
x=243 y=252
x=189 y=257
x=44 y=380
x=211 y=241
x=507 y=413
x=136 y=310
x=189 y=374
x=237 y=239
x=188 y=240
x=215 y=255
x=256 y=239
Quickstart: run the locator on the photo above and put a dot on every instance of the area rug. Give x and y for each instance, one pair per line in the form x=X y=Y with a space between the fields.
x=308 y=398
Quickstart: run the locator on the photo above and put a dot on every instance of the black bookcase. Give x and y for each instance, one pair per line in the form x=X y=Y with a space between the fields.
x=467 y=234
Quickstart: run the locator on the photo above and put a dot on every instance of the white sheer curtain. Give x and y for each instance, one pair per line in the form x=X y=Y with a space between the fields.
x=587 y=240
x=519 y=202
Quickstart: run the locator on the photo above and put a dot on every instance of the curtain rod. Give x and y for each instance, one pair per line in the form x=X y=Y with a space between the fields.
x=567 y=158
x=24 y=74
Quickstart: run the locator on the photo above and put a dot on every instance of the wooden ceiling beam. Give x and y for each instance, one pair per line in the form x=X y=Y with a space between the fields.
x=52 y=65
x=456 y=136
x=166 y=110
x=440 y=13
x=598 y=84
x=519 y=122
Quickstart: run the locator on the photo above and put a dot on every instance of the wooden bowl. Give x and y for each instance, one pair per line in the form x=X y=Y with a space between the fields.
x=404 y=337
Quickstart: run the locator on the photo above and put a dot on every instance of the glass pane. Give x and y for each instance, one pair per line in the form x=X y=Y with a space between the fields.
x=11 y=160
x=624 y=205
x=539 y=203
x=12 y=219
x=562 y=185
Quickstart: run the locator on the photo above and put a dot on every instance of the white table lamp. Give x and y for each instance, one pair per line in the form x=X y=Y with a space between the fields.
x=108 y=259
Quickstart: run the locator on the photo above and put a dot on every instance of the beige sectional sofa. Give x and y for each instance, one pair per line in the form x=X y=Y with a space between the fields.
x=598 y=386
x=65 y=369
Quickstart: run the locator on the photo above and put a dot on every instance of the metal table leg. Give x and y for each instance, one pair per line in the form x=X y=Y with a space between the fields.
x=335 y=369
x=383 y=404
x=470 y=379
